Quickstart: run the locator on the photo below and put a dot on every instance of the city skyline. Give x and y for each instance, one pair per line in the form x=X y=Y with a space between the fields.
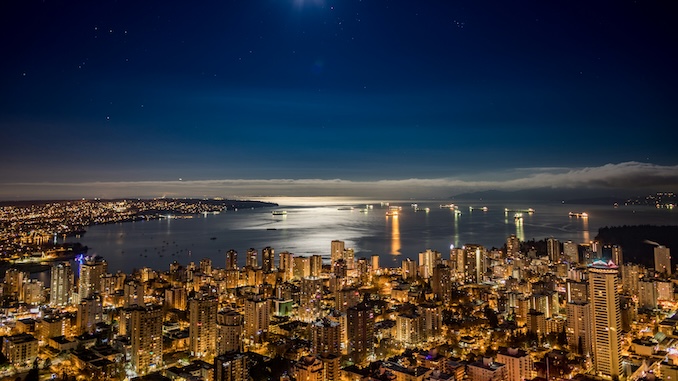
x=320 y=98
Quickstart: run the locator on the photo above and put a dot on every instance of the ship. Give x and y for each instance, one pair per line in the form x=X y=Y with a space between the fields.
x=393 y=213
x=417 y=209
x=447 y=206
x=484 y=208
x=279 y=212
x=345 y=208
x=580 y=215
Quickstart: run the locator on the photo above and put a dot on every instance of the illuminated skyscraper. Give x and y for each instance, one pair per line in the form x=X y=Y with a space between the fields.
x=579 y=328
x=571 y=252
x=62 y=284
x=202 y=326
x=337 y=250
x=231 y=260
x=268 y=258
x=310 y=298
x=662 y=259
x=474 y=263
x=229 y=332
x=325 y=337
x=206 y=266
x=252 y=258
x=257 y=318
x=316 y=265
x=553 y=249
x=90 y=312
x=286 y=265
x=360 y=332
x=146 y=338
x=605 y=318
x=512 y=246
x=91 y=271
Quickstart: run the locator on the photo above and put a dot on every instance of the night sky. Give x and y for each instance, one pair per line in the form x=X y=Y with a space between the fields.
x=319 y=97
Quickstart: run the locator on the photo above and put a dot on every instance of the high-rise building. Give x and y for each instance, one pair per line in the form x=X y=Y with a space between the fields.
x=631 y=274
x=662 y=260
x=375 y=263
x=316 y=265
x=553 y=249
x=427 y=261
x=206 y=266
x=360 y=332
x=409 y=269
x=442 y=283
x=202 y=329
x=325 y=337
x=337 y=250
x=302 y=267
x=231 y=260
x=431 y=320
x=231 y=366
x=62 y=284
x=90 y=312
x=286 y=265
x=518 y=363
x=571 y=252
x=363 y=272
x=229 y=331
x=175 y=298
x=474 y=263
x=91 y=271
x=252 y=258
x=146 y=338
x=512 y=246
x=133 y=293
x=408 y=329
x=578 y=328
x=605 y=318
x=257 y=318
x=268 y=259
x=310 y=298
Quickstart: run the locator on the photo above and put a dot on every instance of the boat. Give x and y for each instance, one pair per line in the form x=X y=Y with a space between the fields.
x=518 y=217
x=345 y=208
x=447 y=206
x=422 y=209
x=393 y=213
x=271 y=229
x=279 y=212
x=579 y=215
x=484 y=208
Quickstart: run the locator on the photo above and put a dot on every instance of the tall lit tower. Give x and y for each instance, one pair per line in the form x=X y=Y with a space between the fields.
x=203 y=326
x=91 y=271
x=286 y=265
x=512 y=246
x=231 y=260
x=229 y=331
x=257 y=318
x=553 y=249
x=252 y=258
x=605 y=318
x=146 y=338
x=337 y=250
x=268 y=259
x=662 y=259
x=62 y=284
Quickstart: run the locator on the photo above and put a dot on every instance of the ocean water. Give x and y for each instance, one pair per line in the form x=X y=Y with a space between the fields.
x=310 y=225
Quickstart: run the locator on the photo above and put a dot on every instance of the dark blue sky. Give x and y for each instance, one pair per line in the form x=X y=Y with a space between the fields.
x=129 y=91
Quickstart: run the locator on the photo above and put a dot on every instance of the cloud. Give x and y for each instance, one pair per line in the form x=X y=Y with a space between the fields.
x=628 y=176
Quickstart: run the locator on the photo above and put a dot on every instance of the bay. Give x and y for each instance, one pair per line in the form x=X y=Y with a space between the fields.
x=311 y=224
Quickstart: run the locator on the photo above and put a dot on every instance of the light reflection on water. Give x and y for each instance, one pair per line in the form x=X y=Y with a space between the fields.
x=309 y=228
